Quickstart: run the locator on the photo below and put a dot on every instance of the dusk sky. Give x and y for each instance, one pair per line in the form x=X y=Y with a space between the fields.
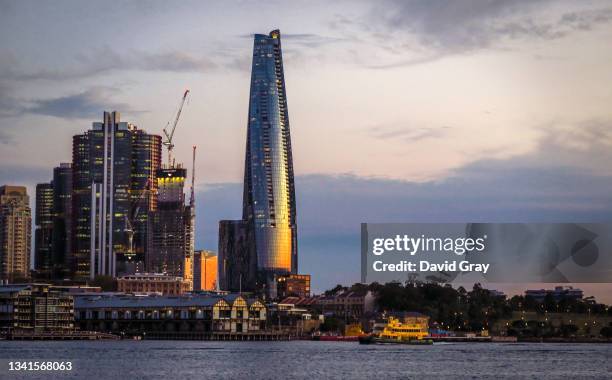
x=400 y=111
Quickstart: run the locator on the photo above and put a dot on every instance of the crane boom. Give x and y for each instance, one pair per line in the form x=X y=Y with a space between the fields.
x=133 y=213
x=169 y=135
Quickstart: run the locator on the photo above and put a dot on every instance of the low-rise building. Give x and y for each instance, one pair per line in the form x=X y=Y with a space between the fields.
x=347 y=304
x=297 y=285
x=35 y=308
x=558 y=293
x=308 y=303
x=198 y=313
x=146 y=283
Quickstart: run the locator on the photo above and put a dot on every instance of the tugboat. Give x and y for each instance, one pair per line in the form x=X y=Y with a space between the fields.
x=396 y=332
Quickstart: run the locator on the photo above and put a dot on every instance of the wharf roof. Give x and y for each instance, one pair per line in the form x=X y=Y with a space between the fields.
x=128 y=301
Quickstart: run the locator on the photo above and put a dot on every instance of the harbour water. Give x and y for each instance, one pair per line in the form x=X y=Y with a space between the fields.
x=307 y=360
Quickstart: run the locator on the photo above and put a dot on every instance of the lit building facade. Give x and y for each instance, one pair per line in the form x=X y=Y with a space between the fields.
x=35 y=308
x=205 y=265
x=269 y=210
x=15 y=233
x=114 y=165
x=293 y=285
x=153 y=283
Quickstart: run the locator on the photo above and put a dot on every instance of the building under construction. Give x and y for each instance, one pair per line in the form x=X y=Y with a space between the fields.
x=171 y=225
x=173 y=221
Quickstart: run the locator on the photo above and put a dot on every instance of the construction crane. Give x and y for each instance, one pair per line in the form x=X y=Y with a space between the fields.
x=131 y=216
x=169 y=135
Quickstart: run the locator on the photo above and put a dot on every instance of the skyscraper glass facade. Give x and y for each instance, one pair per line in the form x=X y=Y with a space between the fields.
x=43 y=235
x=269 y=210
x=269 y=195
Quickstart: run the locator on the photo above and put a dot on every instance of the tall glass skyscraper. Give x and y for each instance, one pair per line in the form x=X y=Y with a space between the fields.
x=113 y=167
x=268 y=226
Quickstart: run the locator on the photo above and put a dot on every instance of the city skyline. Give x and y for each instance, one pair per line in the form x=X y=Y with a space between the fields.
x=531 y=142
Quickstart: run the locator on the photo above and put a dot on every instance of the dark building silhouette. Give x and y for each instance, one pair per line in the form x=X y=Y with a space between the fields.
x=62 y=215
x=237 y=256
x=43 y=233
x=52 y=237
x=266 y=239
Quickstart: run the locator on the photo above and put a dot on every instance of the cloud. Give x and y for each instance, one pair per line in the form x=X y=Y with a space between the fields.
x=5 y=138
x=407 y=133
x=8 y=104
x=173 y=61
x=311 y=40
x=84 y=105
x=106 y=60
x=429 y=30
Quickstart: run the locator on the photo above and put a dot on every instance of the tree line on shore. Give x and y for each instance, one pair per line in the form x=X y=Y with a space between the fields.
x=458 y=309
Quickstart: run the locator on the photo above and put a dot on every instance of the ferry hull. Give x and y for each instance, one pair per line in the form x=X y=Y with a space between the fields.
x=376 y=340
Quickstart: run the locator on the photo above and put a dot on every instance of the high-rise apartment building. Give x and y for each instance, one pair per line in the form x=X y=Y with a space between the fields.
x=15 y=233
x=113 y=184
x=269 y=210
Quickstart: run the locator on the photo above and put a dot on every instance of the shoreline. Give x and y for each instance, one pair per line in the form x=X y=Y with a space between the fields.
x=93 y=336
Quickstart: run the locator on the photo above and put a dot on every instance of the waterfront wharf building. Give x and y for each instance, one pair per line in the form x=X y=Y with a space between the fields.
x=114 y=189
x=203 y=314
x=35 y=308
x=15 y=233
x=253 y=252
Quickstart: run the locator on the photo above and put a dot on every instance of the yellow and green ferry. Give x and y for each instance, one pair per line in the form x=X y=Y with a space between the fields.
x=397 y=332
